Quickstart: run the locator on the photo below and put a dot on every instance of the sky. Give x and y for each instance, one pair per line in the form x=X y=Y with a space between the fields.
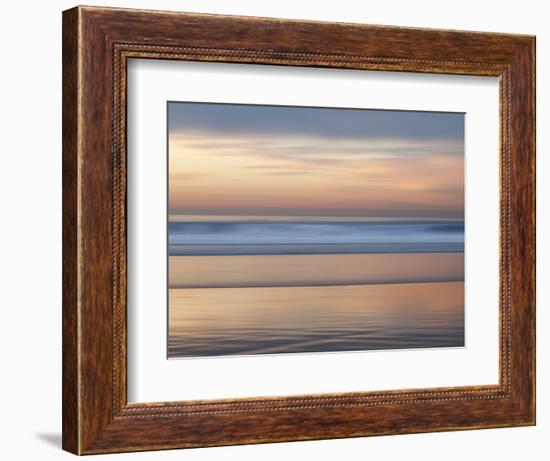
x=253 y=160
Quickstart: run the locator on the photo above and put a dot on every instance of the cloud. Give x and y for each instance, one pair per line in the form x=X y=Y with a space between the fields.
x=294 y=172
x=310 y=148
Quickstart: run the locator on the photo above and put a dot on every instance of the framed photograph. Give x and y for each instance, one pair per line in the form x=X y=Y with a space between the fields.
x=280 y=230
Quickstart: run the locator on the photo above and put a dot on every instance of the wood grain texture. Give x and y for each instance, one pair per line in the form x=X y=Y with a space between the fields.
x=97 y=43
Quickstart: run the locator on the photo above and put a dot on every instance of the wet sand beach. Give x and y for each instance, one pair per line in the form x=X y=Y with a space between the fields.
x=269 y=320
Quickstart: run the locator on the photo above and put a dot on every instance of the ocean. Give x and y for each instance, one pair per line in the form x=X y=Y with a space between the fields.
x=314 y=237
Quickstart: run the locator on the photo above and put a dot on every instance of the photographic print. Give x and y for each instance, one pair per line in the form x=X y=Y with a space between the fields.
x=313 y=230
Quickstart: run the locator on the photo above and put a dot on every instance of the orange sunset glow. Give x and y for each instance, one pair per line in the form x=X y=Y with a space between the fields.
x=263 y=169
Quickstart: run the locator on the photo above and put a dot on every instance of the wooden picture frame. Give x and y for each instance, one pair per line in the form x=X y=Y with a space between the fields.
x=97 y=43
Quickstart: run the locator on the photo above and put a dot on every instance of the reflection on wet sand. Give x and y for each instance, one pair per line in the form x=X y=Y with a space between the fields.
x=268 y=320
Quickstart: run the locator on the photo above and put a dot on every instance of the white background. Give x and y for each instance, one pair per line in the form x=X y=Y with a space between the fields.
x=152 y=378
x=30 y=244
